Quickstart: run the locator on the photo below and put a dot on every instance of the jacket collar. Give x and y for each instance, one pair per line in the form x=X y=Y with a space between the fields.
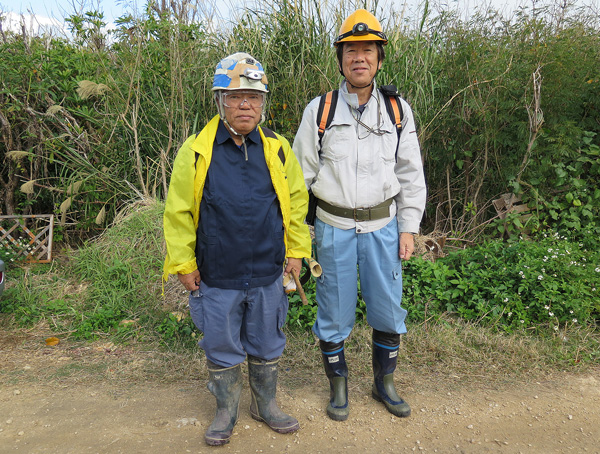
x=352 y=98
x=223 y=134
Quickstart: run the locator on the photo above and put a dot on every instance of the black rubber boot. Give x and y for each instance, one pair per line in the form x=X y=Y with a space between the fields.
x=385 y=356
x=226 y=386
x=263 y=383
x=336 y=369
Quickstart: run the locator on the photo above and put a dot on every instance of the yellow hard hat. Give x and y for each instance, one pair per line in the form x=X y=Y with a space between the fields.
x=361 y=25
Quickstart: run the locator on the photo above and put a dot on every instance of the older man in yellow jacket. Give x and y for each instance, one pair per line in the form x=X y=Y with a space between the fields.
x=234 y=226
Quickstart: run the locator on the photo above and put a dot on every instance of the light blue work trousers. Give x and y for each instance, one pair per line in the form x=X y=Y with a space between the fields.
x=344 y=255
x=240 y=322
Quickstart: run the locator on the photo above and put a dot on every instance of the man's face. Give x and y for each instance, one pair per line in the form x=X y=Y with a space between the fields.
x=243 y=109
x=360 y=62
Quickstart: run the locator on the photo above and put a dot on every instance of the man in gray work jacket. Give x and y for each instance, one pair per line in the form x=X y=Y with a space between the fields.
x=371 y=194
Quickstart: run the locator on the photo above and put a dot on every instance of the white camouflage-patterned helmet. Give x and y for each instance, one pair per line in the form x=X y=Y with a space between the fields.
x=240 y=71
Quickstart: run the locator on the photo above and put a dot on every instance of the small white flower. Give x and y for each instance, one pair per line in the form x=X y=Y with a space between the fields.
x=570 y=312
x=574 y=320
x=551 y=314
x=540 y=277
x=556 y=328
x=522 y=321
x=597 y=270
x=546 y=307
x=506 y=300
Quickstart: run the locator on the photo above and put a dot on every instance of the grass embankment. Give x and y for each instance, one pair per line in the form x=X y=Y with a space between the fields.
x=104 y=303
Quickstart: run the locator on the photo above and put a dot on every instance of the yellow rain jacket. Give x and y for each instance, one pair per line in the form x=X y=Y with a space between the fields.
x=182 y=209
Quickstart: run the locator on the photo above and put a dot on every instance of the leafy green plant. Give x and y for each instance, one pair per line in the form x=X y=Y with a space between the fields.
x=547 y=282
x=302 y=316
x=174 y=329
x=565 y=188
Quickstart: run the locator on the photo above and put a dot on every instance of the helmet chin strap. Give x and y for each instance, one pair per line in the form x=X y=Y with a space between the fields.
x=355 y=86
x=237 y=134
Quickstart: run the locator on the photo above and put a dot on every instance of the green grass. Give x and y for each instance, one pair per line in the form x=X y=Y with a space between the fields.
x=110 y=291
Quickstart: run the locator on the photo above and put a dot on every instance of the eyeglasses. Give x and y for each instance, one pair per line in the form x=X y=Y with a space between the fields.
x=255 y=99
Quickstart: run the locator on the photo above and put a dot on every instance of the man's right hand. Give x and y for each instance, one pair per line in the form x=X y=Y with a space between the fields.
x=190 y=281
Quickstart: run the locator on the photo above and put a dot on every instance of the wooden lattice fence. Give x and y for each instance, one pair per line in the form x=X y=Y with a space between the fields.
x=27 y=236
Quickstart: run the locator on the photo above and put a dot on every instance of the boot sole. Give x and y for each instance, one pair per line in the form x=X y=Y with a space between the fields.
x=216 y=441
x=337 y=416
x=279 y=430
x=399 y=414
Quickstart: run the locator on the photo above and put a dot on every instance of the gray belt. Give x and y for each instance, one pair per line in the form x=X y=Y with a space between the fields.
x=380 y=211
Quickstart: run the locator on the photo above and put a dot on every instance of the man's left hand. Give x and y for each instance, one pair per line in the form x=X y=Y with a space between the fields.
x=293 y=264
x=407 y=245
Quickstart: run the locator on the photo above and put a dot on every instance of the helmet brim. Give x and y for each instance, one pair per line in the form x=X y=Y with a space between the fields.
x=353 y=38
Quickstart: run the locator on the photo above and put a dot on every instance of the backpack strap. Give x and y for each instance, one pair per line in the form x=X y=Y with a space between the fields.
x=327 y=105
x=393 y=106
x=391 y=99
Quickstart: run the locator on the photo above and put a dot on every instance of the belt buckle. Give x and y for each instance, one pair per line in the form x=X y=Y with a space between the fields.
x=364 y=212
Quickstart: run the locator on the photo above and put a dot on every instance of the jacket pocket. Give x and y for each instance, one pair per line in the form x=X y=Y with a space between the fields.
x=337 y=143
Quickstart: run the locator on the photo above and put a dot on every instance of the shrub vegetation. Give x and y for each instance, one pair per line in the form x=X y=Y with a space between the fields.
x=503 y=105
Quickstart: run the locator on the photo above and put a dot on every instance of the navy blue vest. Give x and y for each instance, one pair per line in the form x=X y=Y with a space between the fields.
x=240 y=237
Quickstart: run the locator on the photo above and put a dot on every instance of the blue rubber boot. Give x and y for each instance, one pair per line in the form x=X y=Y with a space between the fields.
x=385 y=356
x=226 y=385
x=336 y=370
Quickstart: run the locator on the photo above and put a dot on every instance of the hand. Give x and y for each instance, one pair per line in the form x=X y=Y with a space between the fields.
x=407 y=245
x=293 y=264
x=190 y=281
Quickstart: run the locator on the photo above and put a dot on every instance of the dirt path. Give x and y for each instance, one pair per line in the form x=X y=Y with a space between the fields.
x=561 y=415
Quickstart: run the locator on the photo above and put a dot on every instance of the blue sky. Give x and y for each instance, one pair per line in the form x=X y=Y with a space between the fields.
x=59 y=8
x=47 y=10
x=114 y=8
